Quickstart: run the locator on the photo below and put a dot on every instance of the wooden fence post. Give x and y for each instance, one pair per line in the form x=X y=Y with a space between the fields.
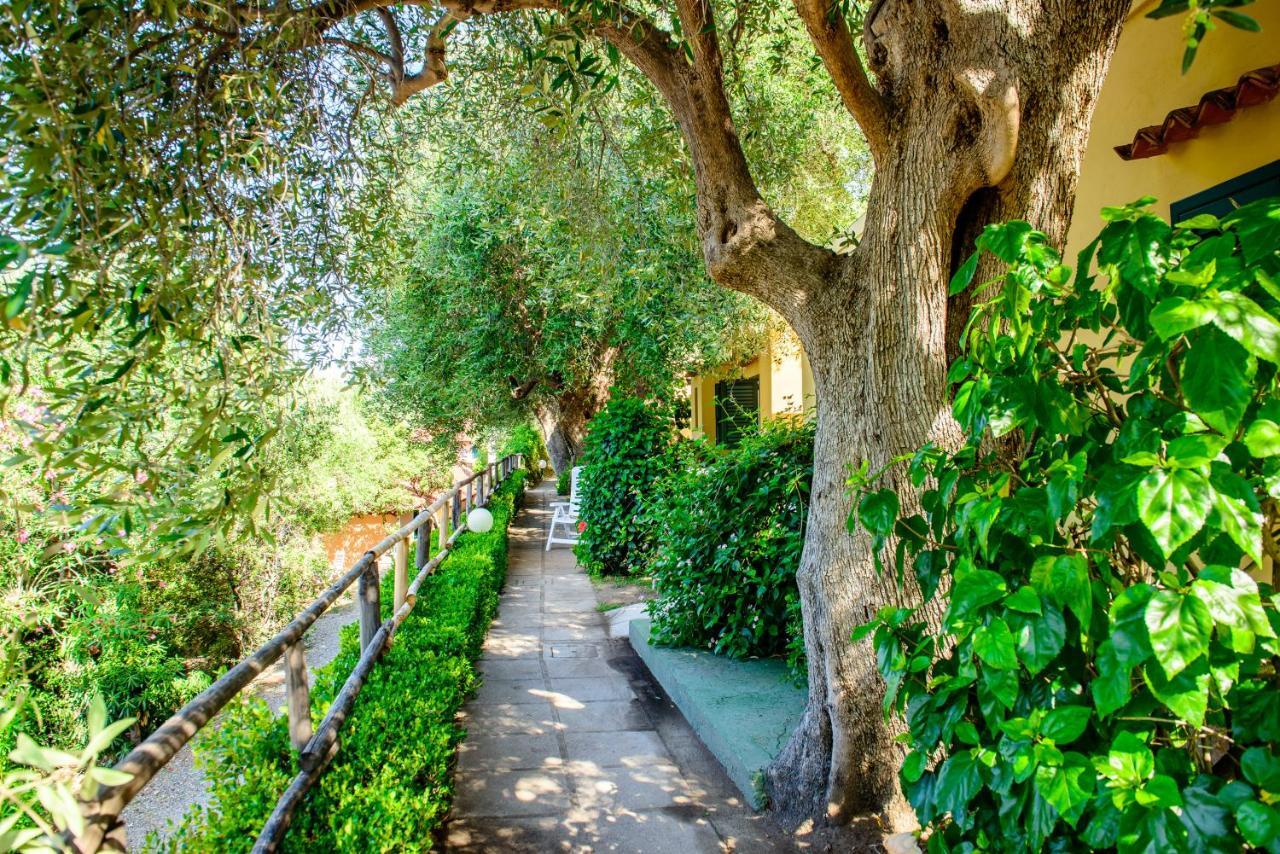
x=456 y=500
x=297 y=695
x=443 y=525
x=400 y=559
x=370 y=604
x=423 y=552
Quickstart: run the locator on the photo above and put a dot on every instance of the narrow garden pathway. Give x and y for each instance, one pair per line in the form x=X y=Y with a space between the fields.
x=571 y=746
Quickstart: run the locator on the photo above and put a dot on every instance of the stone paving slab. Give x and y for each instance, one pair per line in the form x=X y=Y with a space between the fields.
x=571 y=746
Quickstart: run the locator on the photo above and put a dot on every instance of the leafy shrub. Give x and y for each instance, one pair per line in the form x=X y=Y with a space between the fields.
x=525 y=439
x=39 y=789
x=75 y=619
x=564 y=482
x=622 y=457
x=733 y=527
x=1105 y=676
x=389 y=787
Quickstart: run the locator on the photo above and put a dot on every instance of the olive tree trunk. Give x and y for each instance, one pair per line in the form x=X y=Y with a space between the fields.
x=990 y=120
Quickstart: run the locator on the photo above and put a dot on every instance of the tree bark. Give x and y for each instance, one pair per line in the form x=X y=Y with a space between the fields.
x=988 y=116
x=563 y=419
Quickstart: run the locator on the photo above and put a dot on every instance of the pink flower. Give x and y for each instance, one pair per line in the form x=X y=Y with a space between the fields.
x=68 y=547
x=23 y=536
x=582 y=526
x=140 y=477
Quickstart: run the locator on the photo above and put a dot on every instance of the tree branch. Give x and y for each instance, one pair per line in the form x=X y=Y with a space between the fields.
x=357 y=47
x=393 y=36
x=829 y=32
x=434 y=70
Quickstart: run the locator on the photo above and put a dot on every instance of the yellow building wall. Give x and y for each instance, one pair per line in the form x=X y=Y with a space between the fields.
x=786 y=385
x=1143 y=84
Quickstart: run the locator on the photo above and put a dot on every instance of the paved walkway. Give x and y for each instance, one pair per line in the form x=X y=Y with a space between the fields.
x=571 y=745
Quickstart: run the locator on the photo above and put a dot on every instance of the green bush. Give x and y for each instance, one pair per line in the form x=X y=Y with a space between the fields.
x=148 y=633
x=525 y=439
x=564 y=482
x=1106 y=672
x=732 y=527
x=390 y=786
x=623 y=455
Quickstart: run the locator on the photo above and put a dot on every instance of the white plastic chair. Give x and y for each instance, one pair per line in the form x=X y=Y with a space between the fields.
x=566 y=514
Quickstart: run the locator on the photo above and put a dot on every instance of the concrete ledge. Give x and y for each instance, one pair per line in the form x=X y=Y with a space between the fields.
x=744 y=711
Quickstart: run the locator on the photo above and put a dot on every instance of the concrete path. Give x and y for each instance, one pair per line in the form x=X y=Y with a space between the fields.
x=571 y=746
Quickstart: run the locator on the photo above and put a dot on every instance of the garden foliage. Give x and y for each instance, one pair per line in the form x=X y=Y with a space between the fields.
x=1105 y=673
x=389 y=786
x=79 y=618
x=732 y=523
x=622 y=458
x=525 y=439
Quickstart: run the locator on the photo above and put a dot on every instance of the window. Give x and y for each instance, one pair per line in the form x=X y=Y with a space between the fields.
x=737 y=409
x=1229 y=195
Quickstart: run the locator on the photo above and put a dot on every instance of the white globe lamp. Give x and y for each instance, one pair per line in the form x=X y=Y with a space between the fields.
x=480 y=520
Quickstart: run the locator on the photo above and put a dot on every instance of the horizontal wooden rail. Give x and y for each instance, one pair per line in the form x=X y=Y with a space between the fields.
x=315 y=751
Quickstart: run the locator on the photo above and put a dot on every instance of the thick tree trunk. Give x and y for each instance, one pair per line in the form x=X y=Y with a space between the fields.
x=563 y=419
x=1000 y=96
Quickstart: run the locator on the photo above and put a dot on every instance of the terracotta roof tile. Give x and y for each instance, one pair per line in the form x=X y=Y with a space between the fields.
x=1254 y=87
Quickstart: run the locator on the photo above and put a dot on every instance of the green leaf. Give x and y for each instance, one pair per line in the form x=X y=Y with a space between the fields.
x=1003 y=685
x=1174 y=505
x=1258 y=225
x=1176 y=315
x=1187 y=694
x=959 y=780
x=1024 y=600
x=1263 y=438
x=963 y=275
x=103 y=738
x=1135 y=247
x=109 y=776
x=1238 y=20
x=1195 y=451
x=1160 y=791
x=1111 y=688
x=1129 y=762
x=1259 y=824
x=1064 y=580
x=973 y=590
x=1068 y=788
x=1249 y=324
x=1179 y=626
x=878 y=511
x=1217 y=380
x=1040 y=639
x=1066 y=723
x=17 y=301
x=1262 y=769
x=994 y=644
x=1205 y=817
x=1241 y=523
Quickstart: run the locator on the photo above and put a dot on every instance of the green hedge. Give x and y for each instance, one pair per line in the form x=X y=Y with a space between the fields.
x=389 y=786
x=622 y=457
x=733 y=527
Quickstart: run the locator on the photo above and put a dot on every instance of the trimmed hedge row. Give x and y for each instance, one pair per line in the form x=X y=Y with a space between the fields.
x=390 y=785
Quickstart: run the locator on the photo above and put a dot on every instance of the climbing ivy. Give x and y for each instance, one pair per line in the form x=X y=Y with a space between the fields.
x=1104 y=674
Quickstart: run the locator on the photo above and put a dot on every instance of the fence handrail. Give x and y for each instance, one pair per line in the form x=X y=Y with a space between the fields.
x=102 y=812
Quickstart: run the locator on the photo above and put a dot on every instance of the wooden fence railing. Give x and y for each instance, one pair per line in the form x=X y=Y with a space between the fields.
x=103 y=828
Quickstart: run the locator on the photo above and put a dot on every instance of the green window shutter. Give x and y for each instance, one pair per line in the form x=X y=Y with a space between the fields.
x=737 y=409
